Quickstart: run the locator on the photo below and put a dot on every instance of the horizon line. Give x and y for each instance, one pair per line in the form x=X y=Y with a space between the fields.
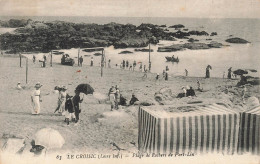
x=128 y=17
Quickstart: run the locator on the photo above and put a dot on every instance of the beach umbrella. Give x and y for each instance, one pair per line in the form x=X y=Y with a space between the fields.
x=240 y=72
x=85 y=88
x=49 y=138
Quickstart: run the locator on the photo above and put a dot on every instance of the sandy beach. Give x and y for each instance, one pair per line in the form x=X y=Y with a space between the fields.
x=98 y=126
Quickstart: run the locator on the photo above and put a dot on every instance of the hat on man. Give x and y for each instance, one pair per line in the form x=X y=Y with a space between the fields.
x=38 y=85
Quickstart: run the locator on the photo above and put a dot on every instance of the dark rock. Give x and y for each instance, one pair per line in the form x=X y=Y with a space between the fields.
x=191 y=40
x=97 y=54
x=199 y=33
x=163 y=25
x=213 y=33
x=177 y=26
x=214 y=44
x=144 y=50
x=125 y=52
x=237 y=40
x=191 y=46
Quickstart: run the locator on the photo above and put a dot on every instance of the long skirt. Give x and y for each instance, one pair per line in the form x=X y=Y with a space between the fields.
x=36 y=105
x=61 y=104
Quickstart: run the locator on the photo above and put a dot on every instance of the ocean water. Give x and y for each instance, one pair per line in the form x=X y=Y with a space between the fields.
x=245 y=56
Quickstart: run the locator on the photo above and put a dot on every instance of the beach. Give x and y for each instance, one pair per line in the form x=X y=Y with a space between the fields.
x=98 y=127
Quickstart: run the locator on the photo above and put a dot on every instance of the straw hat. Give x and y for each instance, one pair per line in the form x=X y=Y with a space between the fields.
x=64 y=87
x=38 y=85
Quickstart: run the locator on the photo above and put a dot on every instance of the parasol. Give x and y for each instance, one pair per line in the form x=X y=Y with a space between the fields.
x=240 y=72
x=49 y=138
x=85 y=88
x=209 y=67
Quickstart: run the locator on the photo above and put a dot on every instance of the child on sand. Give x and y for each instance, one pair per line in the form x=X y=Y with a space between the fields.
x=69 y=108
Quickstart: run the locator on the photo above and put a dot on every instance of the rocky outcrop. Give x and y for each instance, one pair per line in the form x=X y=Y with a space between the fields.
x=131 y=42
x=191 y=46
x=198 y=33
x=237 y=40
x=213 y=33
x=177 y=26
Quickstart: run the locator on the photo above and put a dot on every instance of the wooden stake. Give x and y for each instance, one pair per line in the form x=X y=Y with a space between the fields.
x=78 y=56
x=51 y=58
x=26 y=70
x=149 y=57
x=102 y=60
x=20 y=55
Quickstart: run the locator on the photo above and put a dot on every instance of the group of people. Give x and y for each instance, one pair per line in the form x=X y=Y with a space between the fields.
x=187 y=91
x=116 y=98
x=68 y=106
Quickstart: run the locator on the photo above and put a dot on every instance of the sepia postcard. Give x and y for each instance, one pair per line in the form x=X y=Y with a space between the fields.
x=120 y=81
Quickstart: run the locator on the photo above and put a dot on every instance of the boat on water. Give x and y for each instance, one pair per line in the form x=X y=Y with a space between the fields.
x=172 y=59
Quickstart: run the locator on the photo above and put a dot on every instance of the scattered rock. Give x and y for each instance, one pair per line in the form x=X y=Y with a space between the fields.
x=125 y=52
x=144 y=50
x=237 y=40
x=177 y=26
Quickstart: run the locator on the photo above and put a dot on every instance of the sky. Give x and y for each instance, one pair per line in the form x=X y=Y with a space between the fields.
x=133 y=8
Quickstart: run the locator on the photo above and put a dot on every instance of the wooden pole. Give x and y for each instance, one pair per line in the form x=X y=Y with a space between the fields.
x=102 y=59
x=149 y=57
x=26 y=70
x=78 y=56
x=51 y=58
x=20 y=55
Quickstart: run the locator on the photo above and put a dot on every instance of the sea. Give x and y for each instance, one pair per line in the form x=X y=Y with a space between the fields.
x=237 y=56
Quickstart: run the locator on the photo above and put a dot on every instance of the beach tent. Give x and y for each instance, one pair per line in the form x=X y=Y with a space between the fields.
x=211 y=128
x=249 y=137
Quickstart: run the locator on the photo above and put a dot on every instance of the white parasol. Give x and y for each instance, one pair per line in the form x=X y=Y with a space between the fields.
x=49 y=138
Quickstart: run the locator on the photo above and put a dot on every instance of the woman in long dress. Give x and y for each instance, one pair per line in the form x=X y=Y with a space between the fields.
x=36 y=99
x=62 y=100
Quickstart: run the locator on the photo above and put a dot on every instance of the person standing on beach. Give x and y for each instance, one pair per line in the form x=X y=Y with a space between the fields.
x=144 y=68
x=141 y=67
x=166 y=75
x=34 y=59
x=127 y=64
x=145 y=73
x=167 y=68
x=229 y=72
x=109 y=61
x=112 y=97
x=186 y=72
x=91 y=62
x=117 y=97
x=134 y=65
x=130 y=67
x=76 y=101
x=123 y=64
x=207 y=71
x=36 y=99
x=157 y=76
x=80 y=61
x=61 y=100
